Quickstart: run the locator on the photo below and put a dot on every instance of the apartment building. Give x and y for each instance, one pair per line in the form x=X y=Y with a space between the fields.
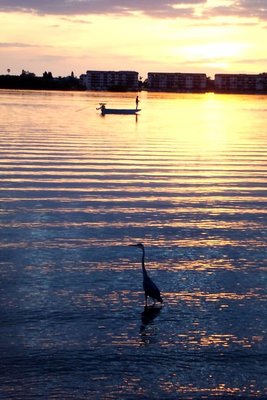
x=110 y=80
x=240 y=83
x=176 y=82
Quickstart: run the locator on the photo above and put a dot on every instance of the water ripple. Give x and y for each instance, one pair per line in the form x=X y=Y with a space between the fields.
x=76 y=190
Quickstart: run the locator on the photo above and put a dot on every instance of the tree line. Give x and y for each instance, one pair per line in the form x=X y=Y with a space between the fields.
x=28 y=80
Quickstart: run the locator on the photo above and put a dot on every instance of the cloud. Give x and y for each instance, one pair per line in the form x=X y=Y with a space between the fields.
x=256 y=61
x=15 y=45
x=76 y=21
x=241 y=8
x=153 y=8
x=160 y=8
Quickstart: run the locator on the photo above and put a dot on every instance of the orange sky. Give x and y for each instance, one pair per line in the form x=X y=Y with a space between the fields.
x=209 y=36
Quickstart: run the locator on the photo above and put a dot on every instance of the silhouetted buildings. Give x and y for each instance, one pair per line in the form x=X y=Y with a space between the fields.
x=198 y=82
x=176 y=82
x=240 y=83
x=111 y=80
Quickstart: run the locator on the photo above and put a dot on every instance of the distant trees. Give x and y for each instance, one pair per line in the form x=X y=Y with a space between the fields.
x=47 y=75
x=28 y=80
x=27 y=74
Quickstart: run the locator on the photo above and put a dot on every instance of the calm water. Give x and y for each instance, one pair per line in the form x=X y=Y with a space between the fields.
x=188 y=179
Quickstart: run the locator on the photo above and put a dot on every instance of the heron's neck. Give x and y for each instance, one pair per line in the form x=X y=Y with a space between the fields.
x=143 y=263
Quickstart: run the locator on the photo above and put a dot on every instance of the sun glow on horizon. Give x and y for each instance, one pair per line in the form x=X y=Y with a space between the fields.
x=214 y=51
x=139 y=42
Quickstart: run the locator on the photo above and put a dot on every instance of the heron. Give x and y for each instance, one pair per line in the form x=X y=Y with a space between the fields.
x=150 y=288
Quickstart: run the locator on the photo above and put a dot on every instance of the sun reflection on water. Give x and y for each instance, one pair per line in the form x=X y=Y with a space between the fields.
x=188 y=179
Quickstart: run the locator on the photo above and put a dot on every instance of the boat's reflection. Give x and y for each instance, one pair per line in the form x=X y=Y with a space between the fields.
x=147 y=330
x=102 y=115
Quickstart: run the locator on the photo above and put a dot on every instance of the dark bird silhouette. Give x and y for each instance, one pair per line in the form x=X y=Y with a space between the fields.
x=150 y=288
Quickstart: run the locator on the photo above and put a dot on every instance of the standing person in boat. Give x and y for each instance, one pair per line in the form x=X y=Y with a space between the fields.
x=137 y=101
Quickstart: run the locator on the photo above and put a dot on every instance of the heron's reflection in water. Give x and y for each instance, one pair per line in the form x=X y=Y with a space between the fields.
x=147 y=328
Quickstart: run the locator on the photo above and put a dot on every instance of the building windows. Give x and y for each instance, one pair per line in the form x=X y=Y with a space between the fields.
x=111 y=80
x=176 y=82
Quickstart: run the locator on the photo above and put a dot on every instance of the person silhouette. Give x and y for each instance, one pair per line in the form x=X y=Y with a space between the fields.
x=137 y=101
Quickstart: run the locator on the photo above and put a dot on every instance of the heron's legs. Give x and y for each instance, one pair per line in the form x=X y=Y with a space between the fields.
x=146 y=299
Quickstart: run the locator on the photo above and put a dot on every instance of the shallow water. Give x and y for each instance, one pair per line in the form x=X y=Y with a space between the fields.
x=187 y=177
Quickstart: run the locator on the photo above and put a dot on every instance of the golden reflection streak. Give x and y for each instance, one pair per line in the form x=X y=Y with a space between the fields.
x=220 y=389
x=197 y=297
x=237 y=225
x=226 y=340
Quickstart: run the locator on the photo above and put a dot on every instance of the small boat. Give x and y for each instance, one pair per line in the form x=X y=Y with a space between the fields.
x=120 y=111
x=129 y=111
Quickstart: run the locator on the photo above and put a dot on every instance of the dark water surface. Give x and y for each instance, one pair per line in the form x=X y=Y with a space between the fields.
x=188 y=179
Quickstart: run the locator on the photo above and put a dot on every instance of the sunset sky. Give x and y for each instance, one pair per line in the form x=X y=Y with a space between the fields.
x=61 y=36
